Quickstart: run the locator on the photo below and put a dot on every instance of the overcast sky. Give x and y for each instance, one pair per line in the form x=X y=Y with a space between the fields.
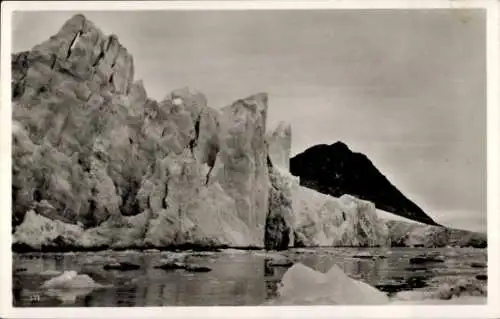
x=405 y=87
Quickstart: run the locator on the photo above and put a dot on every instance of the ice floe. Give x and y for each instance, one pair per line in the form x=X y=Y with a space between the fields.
x=302 y=285
x=71 y=280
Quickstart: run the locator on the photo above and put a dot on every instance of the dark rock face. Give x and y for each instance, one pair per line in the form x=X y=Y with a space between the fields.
x=336 y=170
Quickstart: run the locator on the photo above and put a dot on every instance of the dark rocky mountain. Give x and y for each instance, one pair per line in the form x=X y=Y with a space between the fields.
x=336 y=170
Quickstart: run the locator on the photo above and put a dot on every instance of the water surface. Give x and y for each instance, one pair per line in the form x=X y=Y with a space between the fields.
x=237 y=277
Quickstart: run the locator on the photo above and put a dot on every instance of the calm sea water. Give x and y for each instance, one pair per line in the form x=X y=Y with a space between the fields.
x=237 y=277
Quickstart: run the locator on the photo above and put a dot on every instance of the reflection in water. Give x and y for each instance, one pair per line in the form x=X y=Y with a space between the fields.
x=87 y=301
x=272 y=279
x=268 y=270
x=126 y=296
x=235 y=279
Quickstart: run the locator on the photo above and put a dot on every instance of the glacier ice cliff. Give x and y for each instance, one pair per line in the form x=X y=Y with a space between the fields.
x=94 y=155
x=97 y=164
x=407 y=234
x=323 y=220
x=305 y=217
x=299 y=216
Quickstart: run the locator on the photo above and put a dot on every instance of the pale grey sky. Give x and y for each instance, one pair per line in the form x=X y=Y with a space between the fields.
x=405 y=87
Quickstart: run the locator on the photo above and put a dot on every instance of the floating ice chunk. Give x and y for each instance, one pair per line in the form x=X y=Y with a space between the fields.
x=268 y=254
x=367 y=255
x=452 y=290
x=411 y=295
x=50 y=273
x=235 y=251
x=201 y=253
x=71 y=280
x=461 y=287
x=418 y=297
x=174 y=256
x=177 y=101
x=70 y=285
x=303 y=285
x=276 y=259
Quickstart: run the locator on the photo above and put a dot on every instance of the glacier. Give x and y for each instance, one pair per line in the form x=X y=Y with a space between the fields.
x=97 y=164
